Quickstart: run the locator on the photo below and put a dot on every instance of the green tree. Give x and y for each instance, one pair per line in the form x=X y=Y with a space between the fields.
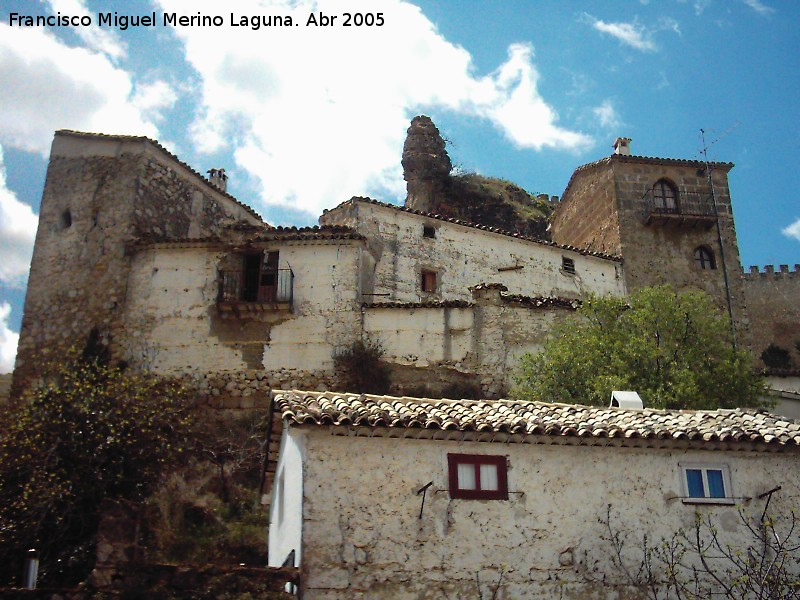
x=673 y=348
x=86 y=432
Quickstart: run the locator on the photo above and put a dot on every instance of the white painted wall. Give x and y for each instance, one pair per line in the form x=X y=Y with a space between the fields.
x=465 y=256
x=286 y=507
x=171 y=307
x=365 y=539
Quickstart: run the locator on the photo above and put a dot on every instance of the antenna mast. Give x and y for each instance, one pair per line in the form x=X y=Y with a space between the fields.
x=719 y=236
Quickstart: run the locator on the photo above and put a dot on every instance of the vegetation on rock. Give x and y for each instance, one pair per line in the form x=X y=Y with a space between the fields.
x=673 y=348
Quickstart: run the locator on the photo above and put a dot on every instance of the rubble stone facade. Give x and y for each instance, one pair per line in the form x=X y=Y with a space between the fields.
x=180 y=278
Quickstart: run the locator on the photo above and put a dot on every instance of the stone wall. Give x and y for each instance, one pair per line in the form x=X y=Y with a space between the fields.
x=103 y=194
x=173 y=325
x=362 y=539
x=463 y=256
x=658 y=250
x=773 y=306
x=586 y=216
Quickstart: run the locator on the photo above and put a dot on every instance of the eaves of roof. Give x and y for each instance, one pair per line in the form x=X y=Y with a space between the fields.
x=581 y=251
x=167 y=153
x=518 y=420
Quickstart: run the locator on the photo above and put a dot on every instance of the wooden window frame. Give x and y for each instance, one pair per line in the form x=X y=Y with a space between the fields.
x=704 y=258
x=568 y=265
x=426 y=275
x=476 y=460
x=665 y=191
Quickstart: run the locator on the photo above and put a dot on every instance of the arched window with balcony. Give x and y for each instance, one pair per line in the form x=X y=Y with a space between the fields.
x=704 y=258
x=665 y=197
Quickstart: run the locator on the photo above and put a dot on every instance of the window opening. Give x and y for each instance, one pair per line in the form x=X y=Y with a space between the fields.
x=706 y=483
x=568 y=265
x=428 y=282
x=66 y=219
x=665 y=197
x=428 y=231
x=704 y=258
x=478 y=477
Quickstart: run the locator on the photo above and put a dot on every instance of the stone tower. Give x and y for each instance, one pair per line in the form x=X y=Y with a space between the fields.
x=426 y=165
x=670 y=220
x=104 y=194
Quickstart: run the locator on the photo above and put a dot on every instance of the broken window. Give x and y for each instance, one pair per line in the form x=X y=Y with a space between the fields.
x=260 y=277
x=478 y=476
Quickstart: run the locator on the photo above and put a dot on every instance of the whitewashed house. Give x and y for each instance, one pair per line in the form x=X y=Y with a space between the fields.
x=385 y=497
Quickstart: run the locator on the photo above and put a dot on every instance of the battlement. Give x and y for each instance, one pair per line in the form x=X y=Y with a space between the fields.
x=783 y=270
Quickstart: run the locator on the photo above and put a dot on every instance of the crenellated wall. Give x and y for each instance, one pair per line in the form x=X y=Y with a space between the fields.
x=773 y=305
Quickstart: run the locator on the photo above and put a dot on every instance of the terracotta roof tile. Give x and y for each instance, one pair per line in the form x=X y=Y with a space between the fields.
x=737 y=426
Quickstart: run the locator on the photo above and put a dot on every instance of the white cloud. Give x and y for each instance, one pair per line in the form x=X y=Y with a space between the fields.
x=607 y=115
x=630 y=34
x=48 y=85
x=97 y=39
x=793 y=230
x=759 y=7
x=315 y=115
x=8 y=340
x=17 y=232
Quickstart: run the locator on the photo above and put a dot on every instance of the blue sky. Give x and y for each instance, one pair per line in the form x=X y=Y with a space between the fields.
x=305 y=117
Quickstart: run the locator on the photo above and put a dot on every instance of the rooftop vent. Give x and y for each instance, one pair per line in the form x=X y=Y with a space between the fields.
x=218 y=178
x=625 y=400
x=622 y=146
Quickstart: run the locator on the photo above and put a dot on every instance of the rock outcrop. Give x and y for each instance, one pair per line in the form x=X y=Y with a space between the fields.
x=471 y=197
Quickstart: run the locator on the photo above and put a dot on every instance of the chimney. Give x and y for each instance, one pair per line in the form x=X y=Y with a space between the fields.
x=218 y=178
x=622 y=146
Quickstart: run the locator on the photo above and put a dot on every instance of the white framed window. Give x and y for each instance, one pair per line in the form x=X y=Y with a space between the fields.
x=706 y=484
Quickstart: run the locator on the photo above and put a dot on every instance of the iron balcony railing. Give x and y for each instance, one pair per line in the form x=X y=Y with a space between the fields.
x=688 y=204
x=275 y=287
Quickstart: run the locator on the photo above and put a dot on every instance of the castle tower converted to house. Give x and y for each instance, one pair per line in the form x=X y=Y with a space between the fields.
x=671 y=220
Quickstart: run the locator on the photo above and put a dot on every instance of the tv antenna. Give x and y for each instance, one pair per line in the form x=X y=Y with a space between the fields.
x=719 y=228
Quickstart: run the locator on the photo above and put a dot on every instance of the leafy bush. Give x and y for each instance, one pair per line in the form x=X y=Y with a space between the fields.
x=86 y=432
x=361 y=369
x=776 y=357
x=673 y=348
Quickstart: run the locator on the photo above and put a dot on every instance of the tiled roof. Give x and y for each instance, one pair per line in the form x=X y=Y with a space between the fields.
x=541 y=301
x=519 y=236
x=260 y=235
x=733 y=427
x=141 y=138
x=316 y=232
x=424 y=304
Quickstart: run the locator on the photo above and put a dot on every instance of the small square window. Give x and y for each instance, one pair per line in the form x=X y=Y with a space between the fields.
x=478 y=476
x=428 y=282
x=706 y=484
x=568 y=265
x=428 y=231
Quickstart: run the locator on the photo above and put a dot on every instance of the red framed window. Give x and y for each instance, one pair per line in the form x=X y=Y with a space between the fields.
x=478 y=476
